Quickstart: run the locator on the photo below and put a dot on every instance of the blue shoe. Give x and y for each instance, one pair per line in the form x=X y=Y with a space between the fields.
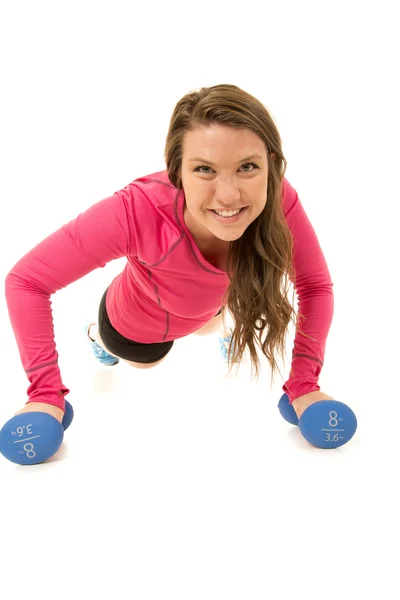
x=224 y=346
x=102 y=356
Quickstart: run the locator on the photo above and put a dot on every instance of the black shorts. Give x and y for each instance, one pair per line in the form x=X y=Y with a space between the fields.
x=128 y=349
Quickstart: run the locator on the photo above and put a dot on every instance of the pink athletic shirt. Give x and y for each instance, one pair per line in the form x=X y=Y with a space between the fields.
x=167 y=288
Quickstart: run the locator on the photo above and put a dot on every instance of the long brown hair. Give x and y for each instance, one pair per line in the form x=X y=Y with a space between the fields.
x=260 y=261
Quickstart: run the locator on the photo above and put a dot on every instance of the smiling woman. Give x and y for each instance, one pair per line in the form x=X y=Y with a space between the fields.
x=184 y=261
x=224 y=150
x=233 y=186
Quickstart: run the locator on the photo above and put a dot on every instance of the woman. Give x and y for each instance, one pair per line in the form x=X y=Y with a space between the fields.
x=220 y=227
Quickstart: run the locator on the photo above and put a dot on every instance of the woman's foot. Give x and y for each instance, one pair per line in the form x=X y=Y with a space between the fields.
x=100 y=353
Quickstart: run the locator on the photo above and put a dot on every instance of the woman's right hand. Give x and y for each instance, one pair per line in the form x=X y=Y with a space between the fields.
x=50 y=409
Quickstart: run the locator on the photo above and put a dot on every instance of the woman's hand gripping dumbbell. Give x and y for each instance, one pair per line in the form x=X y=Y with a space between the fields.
x=323 y=421
x=35 y=433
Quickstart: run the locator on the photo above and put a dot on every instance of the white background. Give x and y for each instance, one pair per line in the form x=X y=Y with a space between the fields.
x=182 y=481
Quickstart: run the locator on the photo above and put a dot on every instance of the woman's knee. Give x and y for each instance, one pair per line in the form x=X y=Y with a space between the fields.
x=129 y=362
x=142 y=365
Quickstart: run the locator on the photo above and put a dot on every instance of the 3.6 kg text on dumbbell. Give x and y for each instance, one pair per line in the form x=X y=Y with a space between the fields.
x=20 y=431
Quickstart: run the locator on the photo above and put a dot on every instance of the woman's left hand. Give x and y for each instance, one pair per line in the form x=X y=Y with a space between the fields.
x=302 y=402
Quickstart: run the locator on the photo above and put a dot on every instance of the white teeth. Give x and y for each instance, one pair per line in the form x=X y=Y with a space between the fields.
x=227 y=213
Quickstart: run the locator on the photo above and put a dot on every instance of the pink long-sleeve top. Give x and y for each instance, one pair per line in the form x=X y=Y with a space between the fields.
x=167 y=289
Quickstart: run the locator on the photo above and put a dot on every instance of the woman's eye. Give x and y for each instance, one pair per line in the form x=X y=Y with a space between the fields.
x=245 y=164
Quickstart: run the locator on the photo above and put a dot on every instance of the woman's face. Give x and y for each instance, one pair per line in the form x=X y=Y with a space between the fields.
x=223 y=168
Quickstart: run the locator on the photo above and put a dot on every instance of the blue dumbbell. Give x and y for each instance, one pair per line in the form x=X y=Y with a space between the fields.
x=69 y=415
x=325 y=424
x=31 y=438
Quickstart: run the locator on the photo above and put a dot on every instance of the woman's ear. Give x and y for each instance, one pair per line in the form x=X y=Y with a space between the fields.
x=273 y=155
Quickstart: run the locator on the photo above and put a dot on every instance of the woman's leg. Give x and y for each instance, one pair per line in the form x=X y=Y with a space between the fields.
x=95 y=335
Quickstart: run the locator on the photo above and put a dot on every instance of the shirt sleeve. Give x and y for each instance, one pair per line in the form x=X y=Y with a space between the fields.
x=95 y=237
x=313 y=286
